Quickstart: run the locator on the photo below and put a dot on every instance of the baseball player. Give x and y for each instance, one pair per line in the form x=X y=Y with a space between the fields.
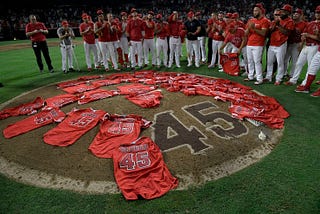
x=175 y=26
x=309 y=37
x=217 y=31
x=193 y=28
x=162 y=32
x=124 y=43
x=148 y=41
x=202 y=37
x=135 y=32
x=313 y=69
x=86 y=29
x=294 y=41
x=280 y=29
x=256 y=30
x=66 y=34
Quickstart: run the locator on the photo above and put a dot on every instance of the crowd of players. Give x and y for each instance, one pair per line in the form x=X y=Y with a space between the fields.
x=291 y=41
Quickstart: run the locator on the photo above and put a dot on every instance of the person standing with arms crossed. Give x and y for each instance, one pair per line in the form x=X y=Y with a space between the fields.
x=37 y=31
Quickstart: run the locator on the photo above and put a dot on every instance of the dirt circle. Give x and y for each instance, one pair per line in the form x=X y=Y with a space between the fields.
x=199 y=140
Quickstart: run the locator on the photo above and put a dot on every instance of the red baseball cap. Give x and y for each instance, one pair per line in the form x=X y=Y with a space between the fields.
x=159 y=16
x=190 y=14
x=235 y=15
x=123 y=13
x=287 y=7
x=99 y=12
x=229 y=15
x=64 y=23
x=298 y=10
x=150 y=12
x=84 y=15
x=260 y=6
x=318 y=9
x=133 y=10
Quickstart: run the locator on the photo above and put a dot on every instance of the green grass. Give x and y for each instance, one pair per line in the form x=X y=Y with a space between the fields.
x=286 y=181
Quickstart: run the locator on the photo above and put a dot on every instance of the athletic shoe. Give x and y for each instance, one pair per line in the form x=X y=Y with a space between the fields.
x=98 y=67
x=65 y=71
x=288 y=83
x=178 y=66
x=266 y=80
x=318 y=82
x=51 y=70
x=189 y=65
x=71 y=70
x=89 y=69
x=302 y=89
x=247 y=79
x=316 y=93
x=258 y=82
x=107 y=69
x=221 y=70
x=277 y=83
x=197 y=65
x=210 y=66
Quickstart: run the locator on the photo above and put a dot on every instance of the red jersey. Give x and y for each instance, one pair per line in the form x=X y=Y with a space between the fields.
x=37 y=37
x=46 y=116
x=277 y=38
x=255 y=39
x=97 y=94
x=312 y=28
x=174 y=27
x=76 y=124
x=236 y=38
x=23 y=109
x=218 y=29
x=134 y=29
x=146 y=100
x=140 y=170
x=148 y=27
x=88 y=37
x=135 y=88
x=79 y=88
x=295 y=36
x=61 y=100
x=162 y=30
x=116 y=130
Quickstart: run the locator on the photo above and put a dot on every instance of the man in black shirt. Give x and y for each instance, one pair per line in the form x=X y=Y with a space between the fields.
x=193 y=28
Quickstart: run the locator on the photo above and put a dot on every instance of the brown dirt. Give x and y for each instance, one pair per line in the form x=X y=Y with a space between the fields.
x=195 y=150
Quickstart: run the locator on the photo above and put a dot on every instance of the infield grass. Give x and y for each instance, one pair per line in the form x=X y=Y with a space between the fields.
x=285 y=181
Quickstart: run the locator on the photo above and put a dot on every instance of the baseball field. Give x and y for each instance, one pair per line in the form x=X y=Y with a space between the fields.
x=285 y=180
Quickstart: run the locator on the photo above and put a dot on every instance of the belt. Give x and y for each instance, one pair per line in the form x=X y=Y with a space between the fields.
x=176 y=37
x=162 y=37
x=311 y=44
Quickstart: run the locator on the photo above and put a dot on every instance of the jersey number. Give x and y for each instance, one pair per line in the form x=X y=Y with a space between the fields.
x=132 y=160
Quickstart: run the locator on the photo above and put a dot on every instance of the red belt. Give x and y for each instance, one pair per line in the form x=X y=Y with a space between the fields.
x=176 y=37
x=161 y=37
x=311 y=44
